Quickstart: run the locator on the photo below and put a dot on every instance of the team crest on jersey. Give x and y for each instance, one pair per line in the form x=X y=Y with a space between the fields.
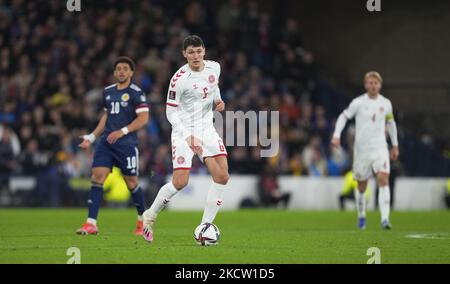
x=125 y=97
x=211 y=79
x=180 y=160
x=381 y=109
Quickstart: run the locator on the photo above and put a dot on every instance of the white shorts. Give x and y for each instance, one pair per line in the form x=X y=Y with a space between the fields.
x=365 y=164
x=182 y=154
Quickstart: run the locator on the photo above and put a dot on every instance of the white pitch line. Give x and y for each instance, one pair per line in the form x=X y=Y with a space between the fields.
x=432 y=236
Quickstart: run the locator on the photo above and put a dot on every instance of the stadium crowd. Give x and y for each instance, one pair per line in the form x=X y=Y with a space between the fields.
x=54 y=65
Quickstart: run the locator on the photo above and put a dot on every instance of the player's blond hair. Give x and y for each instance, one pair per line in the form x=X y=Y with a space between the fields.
x=373 y=74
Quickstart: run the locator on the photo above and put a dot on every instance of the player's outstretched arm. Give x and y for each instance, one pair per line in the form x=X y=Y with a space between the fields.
x=140 y=121
x=101 y=125
x=219 y=104
x=391 y=128
x=193 y=142
x=340 y=125
x=90 y=138
x=175 y=121
x=347 y=114
x=392 y=131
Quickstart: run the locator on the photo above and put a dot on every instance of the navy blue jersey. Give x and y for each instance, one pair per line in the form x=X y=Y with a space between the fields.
x=122 y=107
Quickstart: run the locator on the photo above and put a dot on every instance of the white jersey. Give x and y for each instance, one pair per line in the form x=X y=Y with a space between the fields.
x=370 y=116
x=192 y=94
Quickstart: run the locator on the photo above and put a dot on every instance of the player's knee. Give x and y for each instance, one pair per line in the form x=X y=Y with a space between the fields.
x=180 y=182
x=362 y=190
x=131 y=184
x=383 y=181
x=98 y=178
x=221 y=178
x=362 y=186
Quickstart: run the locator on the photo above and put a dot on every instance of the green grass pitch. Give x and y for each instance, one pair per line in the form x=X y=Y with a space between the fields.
x=254 y=236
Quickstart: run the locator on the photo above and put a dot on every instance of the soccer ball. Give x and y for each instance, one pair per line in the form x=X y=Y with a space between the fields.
x=207 y=234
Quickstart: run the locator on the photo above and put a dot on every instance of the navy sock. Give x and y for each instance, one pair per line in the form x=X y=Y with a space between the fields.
x=95 y=200
x=138 y=199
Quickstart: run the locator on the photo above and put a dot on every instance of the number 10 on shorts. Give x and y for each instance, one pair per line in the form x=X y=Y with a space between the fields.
x=131 y=162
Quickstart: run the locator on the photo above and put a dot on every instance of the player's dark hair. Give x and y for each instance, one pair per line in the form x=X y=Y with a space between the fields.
x=192 y=40
x=125 y=59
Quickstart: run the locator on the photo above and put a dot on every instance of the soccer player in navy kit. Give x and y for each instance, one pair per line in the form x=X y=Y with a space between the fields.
x=126 y=111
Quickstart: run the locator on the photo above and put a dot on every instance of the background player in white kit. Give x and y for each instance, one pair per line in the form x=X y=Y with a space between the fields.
x=373 y=115
x=192 y=94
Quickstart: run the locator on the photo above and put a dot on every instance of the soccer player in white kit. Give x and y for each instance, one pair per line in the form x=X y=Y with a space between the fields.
x=373 y=115
x=192 y=95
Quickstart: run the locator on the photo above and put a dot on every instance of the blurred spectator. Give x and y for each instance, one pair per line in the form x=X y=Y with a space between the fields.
x=269 y=191
x=229 y=16
x=313 y=157
x=337 y=161
x=289 y=107
x=256 y=161
x=239 y=160
x=318 y=166
x=295 y=165
x=321 y=125
x=8 y=136
x=31 y=159
x=9 y=151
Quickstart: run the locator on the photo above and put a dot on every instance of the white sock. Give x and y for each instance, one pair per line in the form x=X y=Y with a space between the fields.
x=360 y=203
x=384 y=201
x=91 y=221
x=140 y=218
x=213 y=202
x=162 y=199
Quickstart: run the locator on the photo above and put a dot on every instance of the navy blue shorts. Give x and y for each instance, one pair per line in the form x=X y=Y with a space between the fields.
x=123 y=156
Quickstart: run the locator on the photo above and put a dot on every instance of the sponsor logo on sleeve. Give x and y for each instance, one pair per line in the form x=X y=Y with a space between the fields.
x=172 y=95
